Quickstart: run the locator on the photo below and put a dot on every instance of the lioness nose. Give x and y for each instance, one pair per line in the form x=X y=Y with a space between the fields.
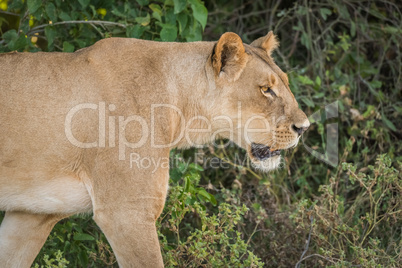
x=300 y=128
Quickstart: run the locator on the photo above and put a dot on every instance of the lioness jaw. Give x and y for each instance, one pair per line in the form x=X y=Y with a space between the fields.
x=73 y=126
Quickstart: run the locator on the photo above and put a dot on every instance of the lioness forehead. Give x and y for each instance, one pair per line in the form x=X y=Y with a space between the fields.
x=261 y=54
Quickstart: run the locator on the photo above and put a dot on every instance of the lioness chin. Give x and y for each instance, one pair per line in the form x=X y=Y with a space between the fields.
x=71 y=124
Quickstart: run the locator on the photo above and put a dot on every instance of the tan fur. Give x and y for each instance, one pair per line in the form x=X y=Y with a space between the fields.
x=268 y=43
x=130 y=86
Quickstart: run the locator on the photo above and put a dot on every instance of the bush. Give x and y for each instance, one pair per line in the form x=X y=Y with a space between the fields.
x=34 y=25
x=192 y=238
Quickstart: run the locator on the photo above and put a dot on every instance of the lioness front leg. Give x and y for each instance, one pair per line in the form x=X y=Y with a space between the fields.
x=21 y=237
x=132 y=236
x=126 y=203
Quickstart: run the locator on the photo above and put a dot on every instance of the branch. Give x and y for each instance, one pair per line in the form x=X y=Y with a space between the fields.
x=9 y=13
x=313 y=255
x=99 y=22
x=307 y=244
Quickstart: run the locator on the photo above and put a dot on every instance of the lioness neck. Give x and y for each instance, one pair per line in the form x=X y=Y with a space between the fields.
x=180 y=82
x=193 y=92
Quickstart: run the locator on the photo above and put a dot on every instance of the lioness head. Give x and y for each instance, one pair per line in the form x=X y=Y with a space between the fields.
x=270 y=119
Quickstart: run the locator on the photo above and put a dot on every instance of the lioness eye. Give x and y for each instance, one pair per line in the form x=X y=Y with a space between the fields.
x=267 y=90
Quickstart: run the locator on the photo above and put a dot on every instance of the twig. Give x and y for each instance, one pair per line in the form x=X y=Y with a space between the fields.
x=96 y=29
x=80 y=22
x=313 y=255
x=294 y=44
x=249 y=239
x=272 y=16
x=9 y=13
x=21 y=20
x=307 y=243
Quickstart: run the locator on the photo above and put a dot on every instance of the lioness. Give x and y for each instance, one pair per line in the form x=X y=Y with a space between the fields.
x=71 y=121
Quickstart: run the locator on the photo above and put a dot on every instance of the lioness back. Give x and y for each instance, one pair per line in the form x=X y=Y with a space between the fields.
x=38 y=90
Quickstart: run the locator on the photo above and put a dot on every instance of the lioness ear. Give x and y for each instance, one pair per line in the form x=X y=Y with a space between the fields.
x=268 y=42
x=230 y=57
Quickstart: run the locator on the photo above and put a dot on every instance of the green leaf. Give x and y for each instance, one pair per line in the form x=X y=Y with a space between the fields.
x=200 y=12
x=135 y=31
x=10 y=35
x=189 y=201
x=305 y=40
x=352 y=29
x=369 y=111
x=213 y=200
x=51 y=12
x=83 y=237
x=156 y=8
x=78 y=228
x=387 y=122
x=143 y=2
x=33 y=5
x=168 y=33
x=319 y=95
x=81 y=43
x=187 y=183
x=325 y=12
x=182 y=167
x=195 y=166
x=308 y=102
x=157 y=16
x=19 y=44
x=343 y=12
x=392 y=30
x=168 y=3
x=50 y=33
x=170 y=17
x=67 y=47
x=157 y=11
x=318 y=81
x=84 y=3
x=202 y=198
x=83 y=257
x=67 y=246
x=179 y=5
x=16 y=5
x=118 y=13
x=182 y=18
x=64 y=16
x=193 y=33
x=175 y=174
x=305 y=80
x=375 y=84
x=144 y=21
x=207 y=196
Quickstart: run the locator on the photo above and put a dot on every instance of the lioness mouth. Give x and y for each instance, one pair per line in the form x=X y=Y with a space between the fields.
x=263 y=152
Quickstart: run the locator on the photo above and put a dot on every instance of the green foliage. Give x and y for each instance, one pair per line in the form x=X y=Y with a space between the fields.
x=210 y=240
x=69 y=25
x=81 y=242
x=57 y=262
x=362 y=229
x=347 y=51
